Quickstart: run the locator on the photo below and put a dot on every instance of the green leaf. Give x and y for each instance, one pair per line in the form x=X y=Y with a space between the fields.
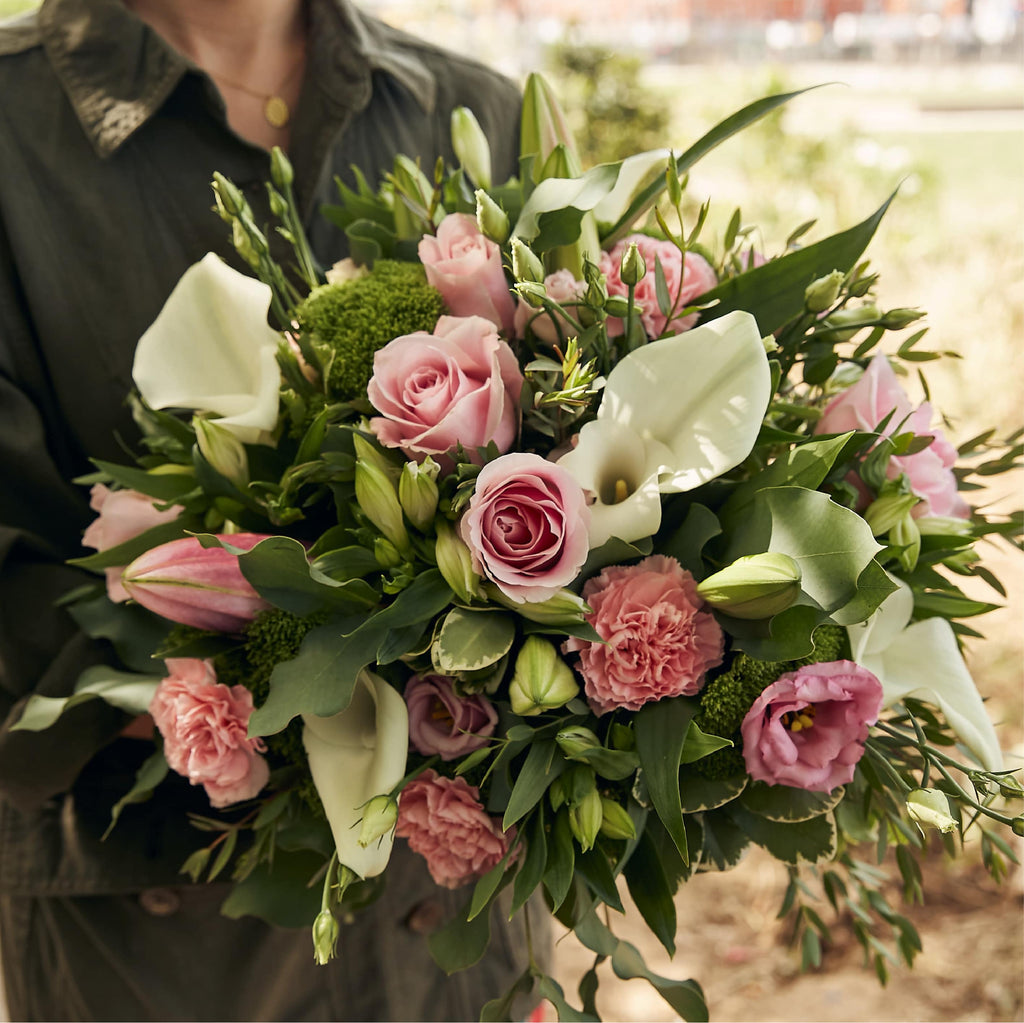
x=612 y=552
x=553 y=214
x=698 y=744
x=660 y=731
x=552 y=991
x=534 y=862
x=486 y=887
x=543 y=765
x=165 y=487
x=128 y=691
x=281 y=893
x=224 y=854
x=125 y=553
x=461 y=942
x=134 y=632
x=470 y=640
x=686 y=544
x=650 y=891
x=724 y=843
x=346 y=563
x=788 y=805
x=699 y=793
x=595 y=870
x=558 y=873
x=774 y=292
x=873 y=586
x=613 y=764
x=809 y=841
x=499 y=1010
x=151 y=772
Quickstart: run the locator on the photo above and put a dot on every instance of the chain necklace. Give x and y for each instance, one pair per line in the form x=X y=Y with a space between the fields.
x=275 y=108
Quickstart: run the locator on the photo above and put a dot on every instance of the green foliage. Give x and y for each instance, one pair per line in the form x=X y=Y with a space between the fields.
x=353 y=320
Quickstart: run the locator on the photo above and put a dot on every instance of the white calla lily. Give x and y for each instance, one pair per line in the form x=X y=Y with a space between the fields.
x=636 y=173
x=650 y=438
x=211 y=349
x=922 y=660
x=354 y=756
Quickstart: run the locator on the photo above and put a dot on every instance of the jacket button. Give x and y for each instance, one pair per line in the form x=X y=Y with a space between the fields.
x=425 y=917
x=160 y=901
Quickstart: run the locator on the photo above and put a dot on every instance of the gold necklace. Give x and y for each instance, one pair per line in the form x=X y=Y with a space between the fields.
x=275 y=108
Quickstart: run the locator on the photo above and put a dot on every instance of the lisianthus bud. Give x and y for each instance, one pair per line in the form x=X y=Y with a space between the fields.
x=1010 y=788
x=632 y=269
x=617 y=305
x=195 y=585
x=281 y=172
x=1018 y=826
x=230 y=201
x=883 y=514
x=906 y=535
x=325 y=937
x=757 y=586
x=526 y=265
x=585 y=819
x=471 y=147
x=379 y=817
x=564 y=608
x=491 y=218
x=223 y=450
x=943 y=525
x=846 y=322
x=615 y=822
x=378 y=499
x=897 y=319
x=542 y=680
x=575 y=740
x=417 y=492
x=930 y=808
x=455 y=562
x=823 y=292
x=673 y=186
x=532 y=294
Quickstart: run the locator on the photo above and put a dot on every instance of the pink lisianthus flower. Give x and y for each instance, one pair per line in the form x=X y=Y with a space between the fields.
x=459 y=385
x=465 y=267
x=658 y=640
x=866 y=404
x=694 y=272
x=443 y=821
x=807 y=729
x=204 y=725
x=443 y=723
x=121 y=515
x=562 y=288
x=527 y=526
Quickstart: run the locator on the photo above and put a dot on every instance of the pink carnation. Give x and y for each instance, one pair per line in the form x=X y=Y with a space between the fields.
x=444 y=822
x=807 y=729
x=441 y=722
x=694 y=272
x=122 y=515
x=866 y=404
x=658 y=641
x=204 y=725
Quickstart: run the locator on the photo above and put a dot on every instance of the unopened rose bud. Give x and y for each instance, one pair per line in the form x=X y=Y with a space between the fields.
x=491 y=218
x=526 y=265
x=281 y=172
x=585 y=819
x=379 y=817
x=455 y=563
x=886 y=512
x=542 y=680
x=615 y=822
x=378 y=499
x=576 y=740
x=757 y=586
x=471 y=147
x=223 y=450
x=930 y=808
x=325 y=937
x=417 y=492
x=633 y=268
x=897 y=319
x=822 y=293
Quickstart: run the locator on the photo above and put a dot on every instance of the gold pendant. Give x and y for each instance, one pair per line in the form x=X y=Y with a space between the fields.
x=276 y=111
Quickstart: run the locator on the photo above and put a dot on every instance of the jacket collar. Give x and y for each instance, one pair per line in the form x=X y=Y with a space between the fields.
x=117 y=72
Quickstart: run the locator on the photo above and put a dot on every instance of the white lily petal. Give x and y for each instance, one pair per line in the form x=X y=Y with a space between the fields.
x=922 y=661
x=212 y=350
x=605 y=454
x=354 y=756
x=702 y=394
x=635 y=174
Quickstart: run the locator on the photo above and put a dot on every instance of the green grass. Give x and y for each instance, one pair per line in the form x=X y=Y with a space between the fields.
x=9 y=8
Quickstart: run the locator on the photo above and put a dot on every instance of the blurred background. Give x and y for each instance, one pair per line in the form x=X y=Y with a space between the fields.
x=923 y=95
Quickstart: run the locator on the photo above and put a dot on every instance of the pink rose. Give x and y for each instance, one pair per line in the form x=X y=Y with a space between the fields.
x=863 y=407
x=807 y=729
x=562 y=288
x=695 y=273
x=460 y=384
x=204 y=725
x=527 y=526
x=466 y=268
x=658 y=641
x=441 y=722
x=444 y=822
x=122 y=516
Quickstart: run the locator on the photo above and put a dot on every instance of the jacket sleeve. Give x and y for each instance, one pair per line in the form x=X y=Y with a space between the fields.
x=41 y=518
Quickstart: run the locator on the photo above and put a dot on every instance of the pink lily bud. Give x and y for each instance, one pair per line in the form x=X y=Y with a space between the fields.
x=195 y=585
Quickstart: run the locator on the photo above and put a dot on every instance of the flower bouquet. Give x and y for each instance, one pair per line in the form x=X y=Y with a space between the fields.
x=557 y=538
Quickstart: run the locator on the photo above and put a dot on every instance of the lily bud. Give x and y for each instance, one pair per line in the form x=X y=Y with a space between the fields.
x=575 y=740
x=585 y=819
x=411 y=182
x=281 y=172
x=564 y=608
x=905 y=534
x=455 y=563
x=195 y=585
x=379 y=818
x=930 y=808
x=562 y=162
x=325 y=937
x=378 y=499
x=223 y=450
x=888 y=511
x=943 y=525
x=491 y=218
x=757 y=586
x=543 y=125
x=471 y=147
x=526 y=265
x=542 y=680
x=386 y=553
x=615 y=822
x=417 y=492
x=822 y=293
x=367 y=452
x=633 y=268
